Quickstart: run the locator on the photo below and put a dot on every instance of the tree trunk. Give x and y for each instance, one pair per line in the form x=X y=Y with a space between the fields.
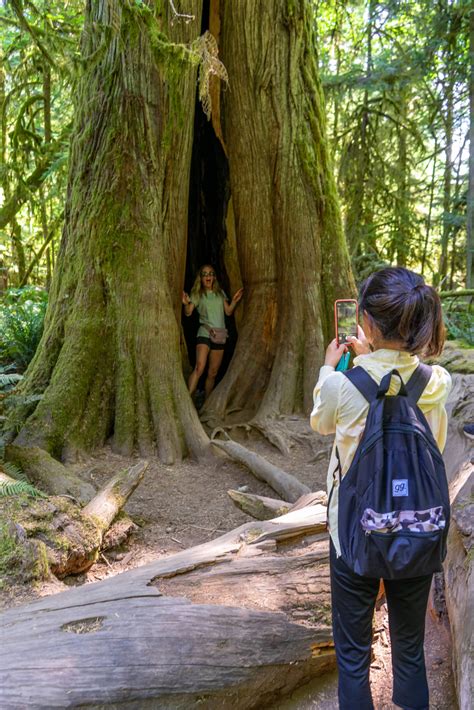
x=285 y=206
x=401 y=238
x=448 y=122
x=109 y=361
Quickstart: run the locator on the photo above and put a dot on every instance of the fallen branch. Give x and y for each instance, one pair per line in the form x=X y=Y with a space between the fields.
x=259 y=507
x=104 y=507
x=283 y=483
x=263 y=508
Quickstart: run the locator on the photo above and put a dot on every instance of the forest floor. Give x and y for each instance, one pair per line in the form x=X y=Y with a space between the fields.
x=177 y=507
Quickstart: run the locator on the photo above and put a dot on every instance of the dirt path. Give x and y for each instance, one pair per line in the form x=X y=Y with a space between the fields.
x=187 y=504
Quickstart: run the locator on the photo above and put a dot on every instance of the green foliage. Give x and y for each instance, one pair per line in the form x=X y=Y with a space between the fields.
x=39 y=46
x=17 y=488
x=395 y=77
x=14 y=471
x=459 y=320
x=21 y=485
x=21 y=323
x=8 y=379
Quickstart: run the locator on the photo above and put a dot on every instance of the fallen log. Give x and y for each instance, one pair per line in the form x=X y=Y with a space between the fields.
x=263 y=508
x=282 y=482
x=224 y=624
x=105 y=505
x=460 y=410
x=67 y=539
x=314 y=498
x=259 y=507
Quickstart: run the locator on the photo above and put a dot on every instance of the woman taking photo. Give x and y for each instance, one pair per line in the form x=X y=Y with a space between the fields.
x=402 y=319
x=212 y=305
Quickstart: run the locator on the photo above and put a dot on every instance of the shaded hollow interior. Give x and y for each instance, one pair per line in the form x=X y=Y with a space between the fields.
x=209 y=193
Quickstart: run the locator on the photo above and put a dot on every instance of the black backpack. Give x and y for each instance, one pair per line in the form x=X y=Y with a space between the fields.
x=394 y=501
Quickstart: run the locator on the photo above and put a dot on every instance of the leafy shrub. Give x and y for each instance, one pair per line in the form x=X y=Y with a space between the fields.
x=459 y=320
x=21 y=324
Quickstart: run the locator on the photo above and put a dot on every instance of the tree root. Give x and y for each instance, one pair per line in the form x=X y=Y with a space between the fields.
x=272 y=430
x=49 y=474
x=283 y=483
x=275 y=432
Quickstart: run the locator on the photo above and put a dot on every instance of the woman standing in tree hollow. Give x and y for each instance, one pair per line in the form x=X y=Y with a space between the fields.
x=211 y=303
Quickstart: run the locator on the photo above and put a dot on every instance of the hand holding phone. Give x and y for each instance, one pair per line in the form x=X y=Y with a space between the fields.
x=346 y=319
x=360 y=345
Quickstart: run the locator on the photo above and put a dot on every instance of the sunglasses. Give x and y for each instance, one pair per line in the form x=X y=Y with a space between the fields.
x=208 y=273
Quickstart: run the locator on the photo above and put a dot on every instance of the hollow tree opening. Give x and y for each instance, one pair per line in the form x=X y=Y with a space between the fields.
x=292 y=254
x=209 y=193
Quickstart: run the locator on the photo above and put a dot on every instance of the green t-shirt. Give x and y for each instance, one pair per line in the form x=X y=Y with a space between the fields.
x=210 y=307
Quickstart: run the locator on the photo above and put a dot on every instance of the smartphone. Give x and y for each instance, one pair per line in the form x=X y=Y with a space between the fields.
x=346 y=318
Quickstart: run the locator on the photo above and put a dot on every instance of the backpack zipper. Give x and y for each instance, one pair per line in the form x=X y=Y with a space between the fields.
x=409 y=533
x=401 y=428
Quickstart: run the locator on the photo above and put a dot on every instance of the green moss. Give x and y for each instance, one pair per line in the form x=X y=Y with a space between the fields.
x=21 y=560
x=10 y=549
x=253 y=534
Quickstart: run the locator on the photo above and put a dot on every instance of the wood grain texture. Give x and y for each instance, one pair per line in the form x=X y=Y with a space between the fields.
x=259 y=507
x=459 y=578
x=223 y=624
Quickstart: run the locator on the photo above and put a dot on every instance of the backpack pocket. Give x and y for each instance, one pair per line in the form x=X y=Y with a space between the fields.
x=402 y=554
x=418 y=521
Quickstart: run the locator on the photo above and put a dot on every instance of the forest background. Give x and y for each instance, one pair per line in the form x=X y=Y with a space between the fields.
x=398 y=86
x=143 y=138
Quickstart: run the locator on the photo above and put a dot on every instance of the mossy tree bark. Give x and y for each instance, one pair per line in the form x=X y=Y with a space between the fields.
x=292 y=253
x=109 y=361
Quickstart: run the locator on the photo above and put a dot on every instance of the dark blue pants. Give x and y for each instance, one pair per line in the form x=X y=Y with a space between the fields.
x=353 y=601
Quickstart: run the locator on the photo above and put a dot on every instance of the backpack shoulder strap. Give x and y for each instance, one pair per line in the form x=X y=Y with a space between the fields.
x=363 y=382
x=418 y=381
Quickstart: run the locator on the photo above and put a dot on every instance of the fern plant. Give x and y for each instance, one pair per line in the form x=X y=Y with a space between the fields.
x=21 y=485
x=8 y=380
x=21 y=321
x=16 y=488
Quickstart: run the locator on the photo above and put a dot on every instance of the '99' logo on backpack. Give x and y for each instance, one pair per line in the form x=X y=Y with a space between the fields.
x=399 y=487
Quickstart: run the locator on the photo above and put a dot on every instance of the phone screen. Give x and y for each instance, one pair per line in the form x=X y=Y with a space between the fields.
x=346 y=320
